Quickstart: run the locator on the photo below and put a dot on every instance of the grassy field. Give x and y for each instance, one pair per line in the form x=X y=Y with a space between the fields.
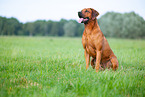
x=55 y=67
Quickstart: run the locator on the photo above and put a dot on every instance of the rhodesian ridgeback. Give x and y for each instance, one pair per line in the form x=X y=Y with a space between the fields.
x=95 y=43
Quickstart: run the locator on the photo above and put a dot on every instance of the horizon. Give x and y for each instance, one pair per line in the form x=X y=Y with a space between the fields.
x=67 y=19
x=31 y=10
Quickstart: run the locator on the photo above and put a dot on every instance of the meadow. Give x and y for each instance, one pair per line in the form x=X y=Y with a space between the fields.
x=55 y=67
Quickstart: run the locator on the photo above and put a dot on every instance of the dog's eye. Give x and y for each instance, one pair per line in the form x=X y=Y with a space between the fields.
x=86 y=11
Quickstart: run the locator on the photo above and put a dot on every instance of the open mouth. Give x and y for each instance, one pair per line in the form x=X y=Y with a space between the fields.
x=83 y=20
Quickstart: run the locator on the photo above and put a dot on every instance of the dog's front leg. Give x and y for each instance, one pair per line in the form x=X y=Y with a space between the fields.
x=98 y=56
x=87 y=58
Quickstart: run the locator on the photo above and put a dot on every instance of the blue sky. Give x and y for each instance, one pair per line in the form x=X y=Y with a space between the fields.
x=31 y=10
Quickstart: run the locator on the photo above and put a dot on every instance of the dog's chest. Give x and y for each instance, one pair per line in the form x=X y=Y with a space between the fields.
x=90 y=47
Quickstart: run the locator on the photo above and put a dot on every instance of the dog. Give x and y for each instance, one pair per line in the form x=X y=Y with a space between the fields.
x=95 y=43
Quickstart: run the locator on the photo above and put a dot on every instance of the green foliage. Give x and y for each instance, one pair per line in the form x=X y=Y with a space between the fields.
x=70 y=28
x=127 y=25
x=10 y=26
x=55 y=67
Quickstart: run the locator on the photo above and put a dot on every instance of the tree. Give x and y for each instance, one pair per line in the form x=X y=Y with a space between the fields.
x=132 y=25
x=9 y=26
x=70 y=28
x=2 y=24
x=54 y=29
x=29 y=29
x=80 y=29
x=128 y=25
x=61 y=24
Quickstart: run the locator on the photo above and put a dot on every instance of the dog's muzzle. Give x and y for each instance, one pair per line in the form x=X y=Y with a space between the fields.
x=82 y=18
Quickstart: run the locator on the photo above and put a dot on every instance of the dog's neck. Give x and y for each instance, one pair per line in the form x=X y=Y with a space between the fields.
x=91 y=25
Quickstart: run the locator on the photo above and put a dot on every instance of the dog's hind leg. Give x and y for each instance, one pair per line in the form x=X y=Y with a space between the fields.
x=115 y=63
x=93 y=61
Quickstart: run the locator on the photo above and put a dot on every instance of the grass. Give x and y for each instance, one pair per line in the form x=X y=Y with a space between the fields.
x=55 y=67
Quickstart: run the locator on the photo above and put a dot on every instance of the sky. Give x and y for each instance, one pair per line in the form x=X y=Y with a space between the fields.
x=32 y=10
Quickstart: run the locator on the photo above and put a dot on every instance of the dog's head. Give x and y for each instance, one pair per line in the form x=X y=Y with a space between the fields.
x=87 y=14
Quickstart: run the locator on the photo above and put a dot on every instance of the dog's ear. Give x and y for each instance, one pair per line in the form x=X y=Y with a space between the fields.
x=94 y=14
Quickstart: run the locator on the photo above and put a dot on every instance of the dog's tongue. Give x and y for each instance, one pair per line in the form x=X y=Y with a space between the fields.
x=80 y=20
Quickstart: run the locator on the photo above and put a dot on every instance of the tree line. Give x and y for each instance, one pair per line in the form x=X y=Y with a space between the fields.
x=11 y=26
x=127 y=25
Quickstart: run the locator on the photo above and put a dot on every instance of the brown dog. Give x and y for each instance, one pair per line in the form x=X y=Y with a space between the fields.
x=95 y=43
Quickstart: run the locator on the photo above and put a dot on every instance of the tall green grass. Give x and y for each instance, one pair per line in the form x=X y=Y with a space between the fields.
x=55 y=67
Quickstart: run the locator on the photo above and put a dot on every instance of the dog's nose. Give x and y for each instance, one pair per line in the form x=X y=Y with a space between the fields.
x=80 y=14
